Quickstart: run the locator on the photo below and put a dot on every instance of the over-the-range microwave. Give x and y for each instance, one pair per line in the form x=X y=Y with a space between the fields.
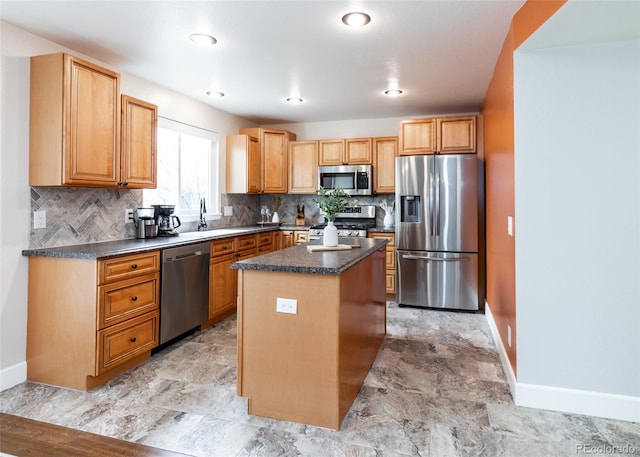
x=353 y=179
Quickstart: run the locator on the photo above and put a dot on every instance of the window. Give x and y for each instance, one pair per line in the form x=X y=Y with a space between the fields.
x=188 y=163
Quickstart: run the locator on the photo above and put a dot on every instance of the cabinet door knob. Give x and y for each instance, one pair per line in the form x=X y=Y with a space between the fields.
x=134 y=298
x=134 y=265
x=133 y=339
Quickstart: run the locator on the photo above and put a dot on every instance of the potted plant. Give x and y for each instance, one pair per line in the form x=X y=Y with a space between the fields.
x=331 y=203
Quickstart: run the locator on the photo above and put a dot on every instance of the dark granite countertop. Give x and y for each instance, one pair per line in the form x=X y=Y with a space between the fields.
x=105 y=249
x=297 y=259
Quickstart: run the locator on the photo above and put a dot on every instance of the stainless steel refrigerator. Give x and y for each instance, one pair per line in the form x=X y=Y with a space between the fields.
x=437 y=231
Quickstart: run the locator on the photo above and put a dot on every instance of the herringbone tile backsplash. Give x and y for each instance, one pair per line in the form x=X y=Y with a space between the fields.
x=85 y=215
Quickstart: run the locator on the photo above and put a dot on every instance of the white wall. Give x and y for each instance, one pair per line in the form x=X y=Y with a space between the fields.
x=17 y=47
x=577 y=204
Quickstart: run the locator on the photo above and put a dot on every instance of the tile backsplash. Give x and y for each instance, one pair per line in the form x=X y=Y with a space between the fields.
x=81 y=215
x=86 y=215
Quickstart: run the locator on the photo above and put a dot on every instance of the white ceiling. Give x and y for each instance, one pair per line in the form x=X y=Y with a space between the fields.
x=440 y=53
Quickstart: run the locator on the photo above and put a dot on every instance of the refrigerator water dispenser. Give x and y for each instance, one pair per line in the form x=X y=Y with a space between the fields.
x=410 y=209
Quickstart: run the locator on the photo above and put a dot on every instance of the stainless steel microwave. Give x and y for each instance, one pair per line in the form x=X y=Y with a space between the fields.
x=353 y=179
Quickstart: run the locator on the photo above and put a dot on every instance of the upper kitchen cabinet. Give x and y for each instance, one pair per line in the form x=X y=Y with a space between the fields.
x=139 y=143
x=358 y=151
x=331 y=152
x=456 y=135
x=385 y=150
x=448 y=135
x=274 y=145
x=352 y=151
x=243 y=165
x=74 y=135
x=303 y=167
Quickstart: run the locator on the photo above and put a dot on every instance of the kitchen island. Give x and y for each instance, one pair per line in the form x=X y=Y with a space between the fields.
x=309 y=328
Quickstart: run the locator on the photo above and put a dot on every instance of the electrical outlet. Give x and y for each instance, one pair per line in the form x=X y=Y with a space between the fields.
x=510 y=225
x=509 y=335
x=228 y=211
x=287 y=305
x=39 y=219
x=128 y=216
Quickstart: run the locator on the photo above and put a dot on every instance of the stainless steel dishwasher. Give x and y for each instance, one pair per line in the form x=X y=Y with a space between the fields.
x=184 y=300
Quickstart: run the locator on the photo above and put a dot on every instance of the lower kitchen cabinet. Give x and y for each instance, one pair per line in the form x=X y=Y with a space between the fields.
x=223 y=287
x=390 y=256
x=223 y=279
x=90 y=320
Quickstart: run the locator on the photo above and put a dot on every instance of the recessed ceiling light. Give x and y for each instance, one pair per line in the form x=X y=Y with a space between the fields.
x=202 y=38
x=294 y=100
x=215 y=94
x=393 y=92
x=356 y=19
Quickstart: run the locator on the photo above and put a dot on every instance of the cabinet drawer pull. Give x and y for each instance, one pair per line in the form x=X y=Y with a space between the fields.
x=133 y=339
x=224 y=248
x=134 y=265
x=134 y=298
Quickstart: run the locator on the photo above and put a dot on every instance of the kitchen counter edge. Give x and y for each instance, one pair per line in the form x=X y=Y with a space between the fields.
x=298 y=259
x=106 y=249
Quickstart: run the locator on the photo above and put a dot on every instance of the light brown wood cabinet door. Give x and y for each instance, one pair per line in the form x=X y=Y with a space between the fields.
x=139 y=144
x=92 y=133
x=358 y=151
x=456 y=135
x=254 y=170
x=244 y=167
x=331 y=152
x=417 y=136
x=303 y=167
x=274 y=161
x=385 y=150
x=222 y=288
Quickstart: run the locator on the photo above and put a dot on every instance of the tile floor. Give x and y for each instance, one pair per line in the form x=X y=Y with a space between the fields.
x=436 y=389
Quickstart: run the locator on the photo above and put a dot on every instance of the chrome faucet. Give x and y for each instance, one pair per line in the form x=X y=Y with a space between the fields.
x=202 y=224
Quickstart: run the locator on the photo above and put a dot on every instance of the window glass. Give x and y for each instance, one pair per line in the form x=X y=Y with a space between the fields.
x=187 y=169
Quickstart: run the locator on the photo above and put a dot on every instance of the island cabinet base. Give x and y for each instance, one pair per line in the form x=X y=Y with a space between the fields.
x=308 y=367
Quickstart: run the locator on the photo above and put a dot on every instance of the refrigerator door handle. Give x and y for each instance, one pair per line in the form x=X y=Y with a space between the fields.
x=437 y=259
x=437 y=209
x=430 y=203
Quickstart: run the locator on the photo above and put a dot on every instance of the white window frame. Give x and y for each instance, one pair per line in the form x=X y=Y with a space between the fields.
x=213 y=206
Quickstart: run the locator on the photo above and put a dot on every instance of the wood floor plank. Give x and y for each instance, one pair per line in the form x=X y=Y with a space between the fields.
x=27 y=437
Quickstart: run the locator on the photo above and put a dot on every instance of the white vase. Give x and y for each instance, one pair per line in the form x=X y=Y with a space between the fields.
x=388 y=220
x=275 y=218
x=330 y=235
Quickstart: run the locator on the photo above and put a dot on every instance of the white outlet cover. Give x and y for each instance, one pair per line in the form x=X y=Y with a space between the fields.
x=287 y=305
x=227 y=211
x=39 y=219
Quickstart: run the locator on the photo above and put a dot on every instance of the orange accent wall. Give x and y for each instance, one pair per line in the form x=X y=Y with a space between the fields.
x=499 y=174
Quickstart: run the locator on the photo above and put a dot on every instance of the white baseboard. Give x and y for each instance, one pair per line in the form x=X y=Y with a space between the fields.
x=13 y=375
x=504 y=358
x=599 y=404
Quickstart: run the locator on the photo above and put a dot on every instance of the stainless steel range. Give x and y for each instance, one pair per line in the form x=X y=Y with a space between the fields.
x=354 y=221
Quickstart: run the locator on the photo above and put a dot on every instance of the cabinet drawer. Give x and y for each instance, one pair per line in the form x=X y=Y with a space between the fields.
x=127 y=266
x=384 y=236
x=265 y=239
x=124 y=341
x=300 y=236
x=126 y=299
x=221 y=247
x=390 y=259
x=246 y=242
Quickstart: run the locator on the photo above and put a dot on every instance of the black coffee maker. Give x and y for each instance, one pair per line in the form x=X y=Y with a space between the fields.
x=165 y=219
